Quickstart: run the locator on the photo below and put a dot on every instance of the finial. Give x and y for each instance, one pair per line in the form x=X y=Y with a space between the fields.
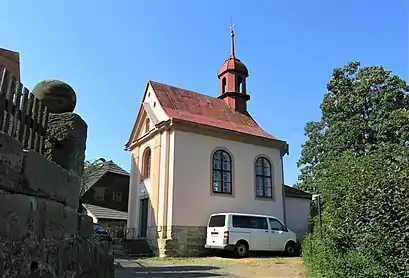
x=232 y=40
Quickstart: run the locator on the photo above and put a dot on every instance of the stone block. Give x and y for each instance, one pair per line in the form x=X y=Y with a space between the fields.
x=67 y=133
x=11 y=162
x=30 y=258
x=55 y=258
x=55 y=220
x=86 y=258
x=71 y=217
x=18 y=214
x=85 y=226
x=29 y=217
x=44 y=178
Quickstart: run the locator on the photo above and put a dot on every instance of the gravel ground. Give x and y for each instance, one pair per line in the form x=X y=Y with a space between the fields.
x=211 y=267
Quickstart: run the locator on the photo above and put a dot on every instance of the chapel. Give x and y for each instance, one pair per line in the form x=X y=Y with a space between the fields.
x=194 y=154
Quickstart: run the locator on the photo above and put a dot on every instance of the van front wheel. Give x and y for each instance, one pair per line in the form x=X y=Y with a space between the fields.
x=241 y=249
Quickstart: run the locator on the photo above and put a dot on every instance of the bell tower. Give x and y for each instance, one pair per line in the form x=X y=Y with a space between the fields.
x=232 y=77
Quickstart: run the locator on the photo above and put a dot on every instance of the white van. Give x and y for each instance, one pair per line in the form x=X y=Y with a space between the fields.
x=240 y=233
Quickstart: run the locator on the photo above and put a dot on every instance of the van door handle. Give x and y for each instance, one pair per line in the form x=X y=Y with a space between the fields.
x=266 y=231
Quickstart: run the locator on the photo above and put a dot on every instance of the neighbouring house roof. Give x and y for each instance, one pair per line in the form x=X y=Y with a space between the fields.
x=105 y=167
x=202 y=109
x=106 y=213
x=89 y=213
x=296 y=193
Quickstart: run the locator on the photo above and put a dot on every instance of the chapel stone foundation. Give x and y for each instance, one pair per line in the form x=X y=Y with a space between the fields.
x=177 y=241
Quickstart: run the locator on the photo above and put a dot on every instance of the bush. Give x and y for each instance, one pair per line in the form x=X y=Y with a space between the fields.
x=366 y=218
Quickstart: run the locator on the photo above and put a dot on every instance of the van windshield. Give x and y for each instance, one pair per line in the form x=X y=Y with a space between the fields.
x=217 y=221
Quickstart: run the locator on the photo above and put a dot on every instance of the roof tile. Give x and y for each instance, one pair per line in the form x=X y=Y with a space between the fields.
x=106 y=213
x=202 y=109
x=291 y=191
x=98 y=173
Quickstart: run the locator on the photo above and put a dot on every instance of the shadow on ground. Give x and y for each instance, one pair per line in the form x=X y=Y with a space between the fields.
x=251 y=255
x=168 y=271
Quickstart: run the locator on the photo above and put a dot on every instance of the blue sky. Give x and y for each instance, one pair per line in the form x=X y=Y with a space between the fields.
x=107 y=50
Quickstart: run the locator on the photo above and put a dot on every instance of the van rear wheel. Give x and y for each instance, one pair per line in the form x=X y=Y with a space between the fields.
x=241 y=249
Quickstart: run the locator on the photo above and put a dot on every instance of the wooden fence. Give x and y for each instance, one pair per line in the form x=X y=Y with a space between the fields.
x=22 y=115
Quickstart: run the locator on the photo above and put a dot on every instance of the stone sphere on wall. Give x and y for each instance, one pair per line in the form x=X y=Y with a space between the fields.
x=58 y=96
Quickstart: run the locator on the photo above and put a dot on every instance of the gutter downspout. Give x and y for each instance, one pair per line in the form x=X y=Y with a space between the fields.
x=283 y=185
x=283 y=193
x=129 y=222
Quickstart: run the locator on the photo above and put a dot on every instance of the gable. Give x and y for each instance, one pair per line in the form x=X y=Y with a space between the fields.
x=140 y=125
x=150 y=108
x=113 y=181
x=96 y=175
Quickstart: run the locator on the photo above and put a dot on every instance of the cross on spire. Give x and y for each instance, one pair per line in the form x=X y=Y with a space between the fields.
x=232 y=54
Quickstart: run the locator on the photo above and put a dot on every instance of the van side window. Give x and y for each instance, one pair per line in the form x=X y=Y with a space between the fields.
x=217 y=221
x=276 y=225
x=249 y=222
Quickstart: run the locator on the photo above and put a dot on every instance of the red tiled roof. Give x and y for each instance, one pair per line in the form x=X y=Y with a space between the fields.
x=202 y=109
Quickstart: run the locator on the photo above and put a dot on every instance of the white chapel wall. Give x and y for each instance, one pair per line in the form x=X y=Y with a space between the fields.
x=298 y=212
x=138 y=188
x=192 y=199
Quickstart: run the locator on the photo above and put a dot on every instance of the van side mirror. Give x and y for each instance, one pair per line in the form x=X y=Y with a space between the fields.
x=285 y=229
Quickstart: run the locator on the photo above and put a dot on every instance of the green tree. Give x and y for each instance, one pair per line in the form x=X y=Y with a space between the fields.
x=366 y=223
x=357 y=158
x=364 y=108
x=91 y=170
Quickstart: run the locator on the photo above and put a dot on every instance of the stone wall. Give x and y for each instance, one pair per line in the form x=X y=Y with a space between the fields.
x=177 y=241
x=42 y=233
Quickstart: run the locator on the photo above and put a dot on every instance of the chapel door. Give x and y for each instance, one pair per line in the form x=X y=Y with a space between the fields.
x=143 y=217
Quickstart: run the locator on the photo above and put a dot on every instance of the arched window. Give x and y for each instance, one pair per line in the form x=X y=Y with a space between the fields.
x=239 y=84
x=224 y=85
x=147 y=127
x=146 y=164
x=222 y=172
x=263 y=178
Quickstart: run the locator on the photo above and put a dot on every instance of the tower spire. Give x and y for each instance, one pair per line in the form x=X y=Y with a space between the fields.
x=232 y=54
x=232 y=75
